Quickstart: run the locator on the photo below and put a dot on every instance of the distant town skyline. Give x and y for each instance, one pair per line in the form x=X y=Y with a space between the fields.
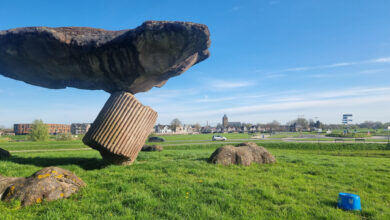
x=222 y=122
x=270 y=60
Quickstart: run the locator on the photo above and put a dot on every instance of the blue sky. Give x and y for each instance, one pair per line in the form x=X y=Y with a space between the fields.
x=270 y=60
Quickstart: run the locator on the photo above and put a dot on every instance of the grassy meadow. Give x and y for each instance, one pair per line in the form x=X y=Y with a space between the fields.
x=178 y=183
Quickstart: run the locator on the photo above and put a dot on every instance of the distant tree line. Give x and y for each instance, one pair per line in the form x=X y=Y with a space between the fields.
x=299 y=124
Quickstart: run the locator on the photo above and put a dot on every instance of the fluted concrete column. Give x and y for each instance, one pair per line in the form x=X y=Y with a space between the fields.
x=121 y=128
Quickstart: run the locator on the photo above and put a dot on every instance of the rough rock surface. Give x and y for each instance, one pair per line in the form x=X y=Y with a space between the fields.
x=245 y=154
x=48 y=184
x=4 y=154
x=252 y=144
x=133 y=60
x=152 y=148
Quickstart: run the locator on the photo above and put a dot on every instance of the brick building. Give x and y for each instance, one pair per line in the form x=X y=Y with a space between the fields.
x=53 y=128
x=79 y=128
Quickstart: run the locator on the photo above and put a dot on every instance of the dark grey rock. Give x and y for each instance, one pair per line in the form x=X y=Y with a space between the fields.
x=152 y=148
x=133 y=60
x=156 y=139
x=4 y=154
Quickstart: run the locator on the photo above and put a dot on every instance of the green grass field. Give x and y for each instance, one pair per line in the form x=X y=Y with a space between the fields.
x=178 y=183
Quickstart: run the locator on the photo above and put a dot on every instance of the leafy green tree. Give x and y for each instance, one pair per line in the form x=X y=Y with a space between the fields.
x=175 y=123
x=39 y=131
x=197 y=126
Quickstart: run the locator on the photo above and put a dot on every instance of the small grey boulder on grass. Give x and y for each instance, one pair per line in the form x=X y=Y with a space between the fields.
x=48 y=184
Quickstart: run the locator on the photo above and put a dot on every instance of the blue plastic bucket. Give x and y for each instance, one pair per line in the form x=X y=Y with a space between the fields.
x=348 y=201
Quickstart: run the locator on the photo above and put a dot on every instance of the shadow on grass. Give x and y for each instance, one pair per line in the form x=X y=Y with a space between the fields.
x=364 y=214
x=206 y=159
x=330 y=203
x=84 y=163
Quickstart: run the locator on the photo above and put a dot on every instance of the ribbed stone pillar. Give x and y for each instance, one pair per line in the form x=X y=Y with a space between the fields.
x=121 y=128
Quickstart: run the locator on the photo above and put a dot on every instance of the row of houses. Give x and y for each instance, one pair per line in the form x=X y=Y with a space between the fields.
x=232 y=129
x=8 y=132
x=181 y=129
x=75 y=128
x=190 y=129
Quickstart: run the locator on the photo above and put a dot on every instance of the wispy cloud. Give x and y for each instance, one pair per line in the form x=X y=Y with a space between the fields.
x=207 y=99
x=370 y=71
x=288 y=99
x=329 y=66
x=274 y=75
x=235 y=8
x=355 y=92
x=320 y=76
x=222 y=84
x=381 y=60
x=157 y=95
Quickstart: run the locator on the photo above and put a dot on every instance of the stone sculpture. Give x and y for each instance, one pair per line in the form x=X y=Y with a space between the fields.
x=48 y=184
x=122 y=63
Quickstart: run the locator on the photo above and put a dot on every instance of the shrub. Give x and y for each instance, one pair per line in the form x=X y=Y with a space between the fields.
x=39 y=131
x=64 y=137
x=349 y=135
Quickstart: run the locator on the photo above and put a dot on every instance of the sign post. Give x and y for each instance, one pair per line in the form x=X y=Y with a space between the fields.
x=345 y=121
x=388 y=136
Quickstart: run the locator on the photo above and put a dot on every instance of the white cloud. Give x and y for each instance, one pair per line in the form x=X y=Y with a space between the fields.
x=274 y=75
x=333 y=65
x=207 y=99
x=370 y=71
x=354 y=92
x=320 y=75
x=381 y=60
x=287 y=99
x=306 y=68
x=157 y=95
x=339 y=64
x=222 y=84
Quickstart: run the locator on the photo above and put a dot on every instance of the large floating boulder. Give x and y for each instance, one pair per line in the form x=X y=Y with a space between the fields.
x=245 y=154
x=122 y=63
x=48 y=184
x=132 y=60
x=4 y=154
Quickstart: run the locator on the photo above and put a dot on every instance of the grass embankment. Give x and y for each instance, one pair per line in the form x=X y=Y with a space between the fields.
x=47 y=145
x=179 y=183
x=179 y=137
